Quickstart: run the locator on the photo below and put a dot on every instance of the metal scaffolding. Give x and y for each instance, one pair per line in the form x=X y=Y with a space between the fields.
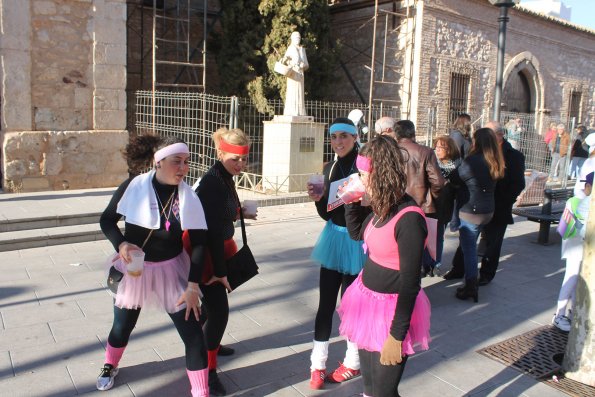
x=397 y=36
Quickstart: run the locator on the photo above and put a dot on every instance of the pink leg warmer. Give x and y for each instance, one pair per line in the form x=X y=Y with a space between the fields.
x=113 y=355
x=199 y=381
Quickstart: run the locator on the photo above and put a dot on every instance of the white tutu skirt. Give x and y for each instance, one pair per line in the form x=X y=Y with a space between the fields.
x=159 y=286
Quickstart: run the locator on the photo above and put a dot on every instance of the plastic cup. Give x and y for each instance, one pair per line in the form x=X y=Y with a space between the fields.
x=317 y=182
x=250 y=207
x=353 y=191
x=137 y=263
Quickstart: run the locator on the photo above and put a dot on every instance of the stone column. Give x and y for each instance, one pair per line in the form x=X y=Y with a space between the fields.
x=63 y=95
x=109 y=65
x=15 y=65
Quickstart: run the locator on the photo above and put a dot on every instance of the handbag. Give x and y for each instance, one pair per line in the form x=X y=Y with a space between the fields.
x=242 y=266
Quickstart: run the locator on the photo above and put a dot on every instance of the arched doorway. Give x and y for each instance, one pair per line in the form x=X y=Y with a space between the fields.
x=516 y=96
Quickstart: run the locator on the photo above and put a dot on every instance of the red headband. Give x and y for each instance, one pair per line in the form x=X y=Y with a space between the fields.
x=235 y=149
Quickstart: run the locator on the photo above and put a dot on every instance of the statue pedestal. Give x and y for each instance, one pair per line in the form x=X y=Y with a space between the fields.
x=292 y=151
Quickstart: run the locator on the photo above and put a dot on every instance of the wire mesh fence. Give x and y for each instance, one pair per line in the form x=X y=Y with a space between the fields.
x=195 y=116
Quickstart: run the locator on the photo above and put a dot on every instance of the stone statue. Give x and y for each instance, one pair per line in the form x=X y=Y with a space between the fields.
x=296 y=61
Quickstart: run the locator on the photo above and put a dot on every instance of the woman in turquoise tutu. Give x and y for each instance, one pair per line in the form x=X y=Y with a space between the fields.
x=385 y=311
x=340 y=258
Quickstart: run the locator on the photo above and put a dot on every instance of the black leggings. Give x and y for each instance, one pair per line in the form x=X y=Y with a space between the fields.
x=380 y=380
x=330 y=282
x=190 y=331
x=217 y=313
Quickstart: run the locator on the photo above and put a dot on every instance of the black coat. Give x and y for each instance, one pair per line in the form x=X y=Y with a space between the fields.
x=509 y=187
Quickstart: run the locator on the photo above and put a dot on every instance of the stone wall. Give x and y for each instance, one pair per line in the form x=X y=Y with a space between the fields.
x=63 y=93
x=460 y=36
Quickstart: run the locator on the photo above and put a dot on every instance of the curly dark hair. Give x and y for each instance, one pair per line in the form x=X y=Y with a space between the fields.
x=388 y=179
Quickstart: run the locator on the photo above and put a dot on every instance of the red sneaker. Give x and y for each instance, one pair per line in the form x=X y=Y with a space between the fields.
x=317 y=378
x=343 y=373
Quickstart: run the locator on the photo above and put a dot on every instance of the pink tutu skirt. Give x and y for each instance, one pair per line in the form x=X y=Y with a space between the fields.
x=366 y=318
x=159 y=286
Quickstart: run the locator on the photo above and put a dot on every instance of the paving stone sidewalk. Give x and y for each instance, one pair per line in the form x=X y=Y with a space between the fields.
x=55 y=316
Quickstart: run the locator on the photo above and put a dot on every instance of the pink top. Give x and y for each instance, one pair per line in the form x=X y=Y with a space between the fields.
x=380 y=242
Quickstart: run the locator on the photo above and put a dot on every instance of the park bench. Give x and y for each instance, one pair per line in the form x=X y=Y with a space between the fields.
x=554 y=201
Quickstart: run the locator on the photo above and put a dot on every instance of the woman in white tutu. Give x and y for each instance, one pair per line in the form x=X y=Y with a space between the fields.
x=158 y=207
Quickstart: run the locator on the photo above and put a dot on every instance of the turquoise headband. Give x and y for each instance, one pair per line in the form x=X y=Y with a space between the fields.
x=342 y=127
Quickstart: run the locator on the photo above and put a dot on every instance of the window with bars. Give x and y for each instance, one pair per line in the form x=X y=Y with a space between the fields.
x=459 y=95
x=574 y=109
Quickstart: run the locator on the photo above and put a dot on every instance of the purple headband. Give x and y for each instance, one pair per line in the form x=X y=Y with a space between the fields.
x=363 y=163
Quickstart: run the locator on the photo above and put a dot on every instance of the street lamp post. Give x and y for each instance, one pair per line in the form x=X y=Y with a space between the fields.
x=502 y=20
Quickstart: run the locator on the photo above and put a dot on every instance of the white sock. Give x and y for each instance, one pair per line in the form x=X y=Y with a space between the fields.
x=351 y=356
x=319 y=355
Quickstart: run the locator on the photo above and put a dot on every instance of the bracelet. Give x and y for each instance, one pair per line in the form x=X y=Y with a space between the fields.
x=189 y=288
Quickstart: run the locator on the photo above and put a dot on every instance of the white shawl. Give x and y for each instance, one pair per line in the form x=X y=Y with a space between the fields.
x=139 y=205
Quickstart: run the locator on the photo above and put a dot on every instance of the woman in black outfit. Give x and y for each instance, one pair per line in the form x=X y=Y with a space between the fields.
x=340 y=258
x=158 y=206
x=476 y=178
x=220 y=200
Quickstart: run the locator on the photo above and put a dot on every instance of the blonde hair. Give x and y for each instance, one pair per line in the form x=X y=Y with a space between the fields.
x=235 y=136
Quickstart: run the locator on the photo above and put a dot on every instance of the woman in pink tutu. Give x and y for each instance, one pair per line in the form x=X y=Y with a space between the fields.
x=385 y=311
x=158 y=207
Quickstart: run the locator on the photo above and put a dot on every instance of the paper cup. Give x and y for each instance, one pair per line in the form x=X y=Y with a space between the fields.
x=137 y=263
x=250 y=207
x=353 y=191
x=317 y=182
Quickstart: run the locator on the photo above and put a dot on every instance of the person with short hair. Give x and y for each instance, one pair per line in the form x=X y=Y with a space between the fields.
x=385 y=126
x=558 y=149
x=505 y=194
x=579 y=152
x=449 y=159
x=158 y=206
x=424 y=178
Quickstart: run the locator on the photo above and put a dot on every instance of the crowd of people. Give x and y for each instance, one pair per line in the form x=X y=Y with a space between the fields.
x=373 y=251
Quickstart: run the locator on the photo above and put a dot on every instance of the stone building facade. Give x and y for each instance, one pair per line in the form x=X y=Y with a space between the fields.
x=440 y=60
x=63 y=81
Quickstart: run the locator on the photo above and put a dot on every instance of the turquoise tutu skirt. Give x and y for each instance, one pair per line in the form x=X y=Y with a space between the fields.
x=335 y=250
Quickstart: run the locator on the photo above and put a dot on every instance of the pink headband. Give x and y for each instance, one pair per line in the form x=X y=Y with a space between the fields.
x=363 y=163
x=176 y=148
x=235 y=149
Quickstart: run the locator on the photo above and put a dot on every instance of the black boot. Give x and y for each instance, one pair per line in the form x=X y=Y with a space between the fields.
x=453 y=274
x=215 y=386
x=469 y=290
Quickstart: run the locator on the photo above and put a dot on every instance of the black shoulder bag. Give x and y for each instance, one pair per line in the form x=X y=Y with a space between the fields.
x=241 y=267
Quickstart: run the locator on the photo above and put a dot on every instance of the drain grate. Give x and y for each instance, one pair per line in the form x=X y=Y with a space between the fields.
x=539 y=354
x=532 y=353
x=571 y=387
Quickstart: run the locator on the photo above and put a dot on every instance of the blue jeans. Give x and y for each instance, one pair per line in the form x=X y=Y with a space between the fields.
x=468 y=234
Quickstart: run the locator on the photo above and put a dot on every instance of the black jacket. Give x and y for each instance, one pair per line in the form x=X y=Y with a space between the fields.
x=476 y=186
x=509 y=187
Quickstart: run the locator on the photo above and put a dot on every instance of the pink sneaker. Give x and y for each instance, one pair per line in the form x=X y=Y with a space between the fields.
x=343 y=373
x=317 y=377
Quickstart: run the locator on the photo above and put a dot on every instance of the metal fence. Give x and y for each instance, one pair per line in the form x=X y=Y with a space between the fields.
x=195 y=116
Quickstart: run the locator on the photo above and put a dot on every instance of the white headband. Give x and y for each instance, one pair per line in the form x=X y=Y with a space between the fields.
x=176 y=148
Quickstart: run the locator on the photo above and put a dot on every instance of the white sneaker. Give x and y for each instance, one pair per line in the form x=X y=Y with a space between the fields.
x=105 y=380
x=562 y=323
